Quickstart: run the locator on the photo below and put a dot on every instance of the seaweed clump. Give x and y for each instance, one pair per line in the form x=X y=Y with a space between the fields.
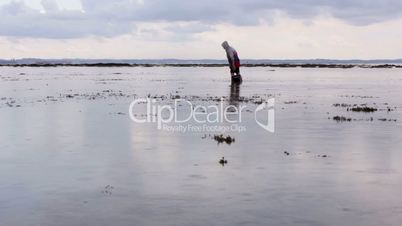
x=223 y=161
x=341 y=119
x=222 y=139
x=363 y=109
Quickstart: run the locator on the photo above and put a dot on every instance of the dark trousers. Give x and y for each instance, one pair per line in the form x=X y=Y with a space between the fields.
x=235 y=70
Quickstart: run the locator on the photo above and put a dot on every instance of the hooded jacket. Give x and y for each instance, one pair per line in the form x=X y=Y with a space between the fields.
x=231 y=54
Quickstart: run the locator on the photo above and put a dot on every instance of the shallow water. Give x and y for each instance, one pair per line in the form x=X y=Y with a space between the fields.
x=80 y=160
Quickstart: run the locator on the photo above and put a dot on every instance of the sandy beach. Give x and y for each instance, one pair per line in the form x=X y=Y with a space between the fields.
x=71 y=155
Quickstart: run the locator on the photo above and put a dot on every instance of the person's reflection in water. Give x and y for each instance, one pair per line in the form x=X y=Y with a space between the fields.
x=234 y=95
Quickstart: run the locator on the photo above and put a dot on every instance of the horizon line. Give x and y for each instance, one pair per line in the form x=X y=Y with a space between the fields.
x=201 y=59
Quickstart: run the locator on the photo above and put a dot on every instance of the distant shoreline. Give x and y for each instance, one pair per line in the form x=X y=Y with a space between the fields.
x=342 y=66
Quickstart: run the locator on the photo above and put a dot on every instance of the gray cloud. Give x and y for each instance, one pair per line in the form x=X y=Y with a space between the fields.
x=50 y=5
x=18 y=20
x=109 y=18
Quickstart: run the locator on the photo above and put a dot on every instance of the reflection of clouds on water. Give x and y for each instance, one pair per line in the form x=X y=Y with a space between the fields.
x=72 y=149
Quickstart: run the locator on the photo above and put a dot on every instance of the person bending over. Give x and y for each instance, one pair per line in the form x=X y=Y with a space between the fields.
x=234 y=62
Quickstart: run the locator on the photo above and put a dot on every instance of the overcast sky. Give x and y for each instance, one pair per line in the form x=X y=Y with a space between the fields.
x=187 y=29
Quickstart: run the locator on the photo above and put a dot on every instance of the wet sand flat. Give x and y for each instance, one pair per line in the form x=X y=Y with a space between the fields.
x=70 y=155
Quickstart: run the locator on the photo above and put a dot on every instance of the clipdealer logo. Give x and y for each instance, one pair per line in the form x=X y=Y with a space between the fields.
x=200 y=118
x=269 y=108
